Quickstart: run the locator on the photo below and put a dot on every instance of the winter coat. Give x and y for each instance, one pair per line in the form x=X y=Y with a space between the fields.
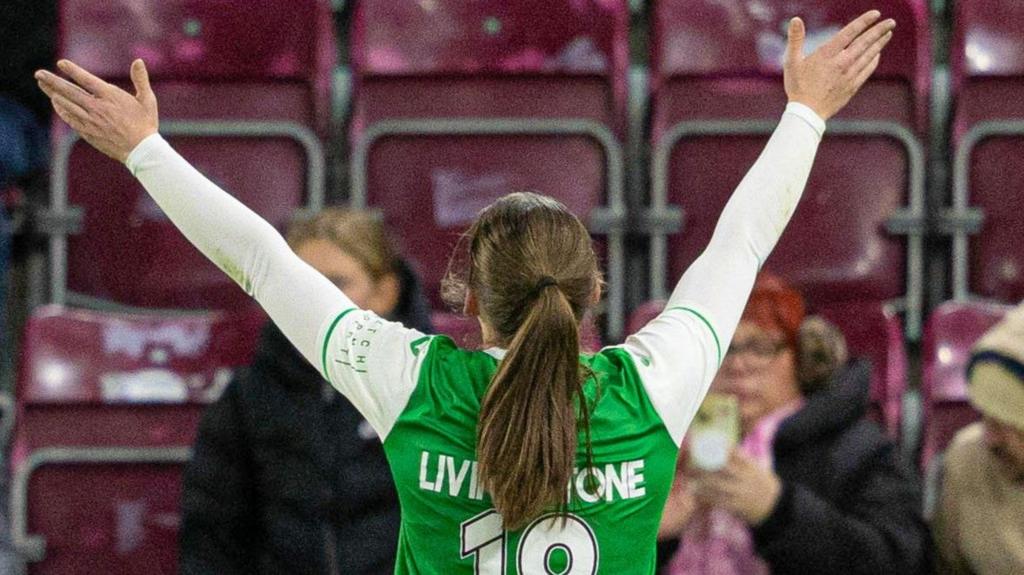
x=850 y=503
x=287 y=476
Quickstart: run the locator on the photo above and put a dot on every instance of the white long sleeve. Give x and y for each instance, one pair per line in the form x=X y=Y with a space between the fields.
x=681 y=349
x=373 y=362
x=240 y=243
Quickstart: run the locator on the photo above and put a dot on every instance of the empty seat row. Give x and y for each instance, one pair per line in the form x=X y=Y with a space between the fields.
x=513 y=104
x=457 y=102
x=244 y=91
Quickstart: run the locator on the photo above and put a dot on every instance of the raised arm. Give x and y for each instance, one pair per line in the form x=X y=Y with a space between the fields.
x=754 y=218
x=684 y=346
x=372 y=362
x=238 y=241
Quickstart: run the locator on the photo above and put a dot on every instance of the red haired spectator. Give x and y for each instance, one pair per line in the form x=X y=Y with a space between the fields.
x=813 y=486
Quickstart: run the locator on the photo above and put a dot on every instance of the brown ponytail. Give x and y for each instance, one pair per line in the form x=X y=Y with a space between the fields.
x=534 y=274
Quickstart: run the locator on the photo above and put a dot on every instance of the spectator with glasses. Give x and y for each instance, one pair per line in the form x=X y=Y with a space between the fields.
x=813 y=486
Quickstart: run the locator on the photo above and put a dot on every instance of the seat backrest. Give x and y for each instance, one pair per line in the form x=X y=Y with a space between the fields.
x=103 y=517
x=267 y=59
x=108 y=406
x=987 y=61
x=552 y=66
x=830 y=259
x=987 y=67
x=130 y=253
x=950 y=334
x=720 y=60
x=267 y=63
x=91 y=378
x=487 y=58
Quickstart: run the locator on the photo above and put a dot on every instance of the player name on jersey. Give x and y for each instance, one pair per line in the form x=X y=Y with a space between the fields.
x=610 y=482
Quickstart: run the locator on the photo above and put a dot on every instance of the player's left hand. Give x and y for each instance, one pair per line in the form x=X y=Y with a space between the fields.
x=743 y=487
x=827 y=79
x=107 y=117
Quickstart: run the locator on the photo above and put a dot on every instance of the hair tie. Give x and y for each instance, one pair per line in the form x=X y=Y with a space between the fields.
x=542 y=283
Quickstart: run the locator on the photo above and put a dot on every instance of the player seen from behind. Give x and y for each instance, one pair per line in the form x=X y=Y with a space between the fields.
x=526 y=457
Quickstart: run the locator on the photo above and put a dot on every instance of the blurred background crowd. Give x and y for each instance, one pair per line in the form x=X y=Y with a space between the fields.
x=152 y=422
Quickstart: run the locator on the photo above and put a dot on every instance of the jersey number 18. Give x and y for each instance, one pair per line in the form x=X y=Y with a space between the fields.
x=543 y=541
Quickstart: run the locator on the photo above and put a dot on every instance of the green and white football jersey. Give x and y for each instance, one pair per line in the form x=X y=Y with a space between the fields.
x=422 y=394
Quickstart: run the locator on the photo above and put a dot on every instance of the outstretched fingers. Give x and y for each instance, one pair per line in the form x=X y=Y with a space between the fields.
x=73 y=109
x=866 y=72
x=109 y=118
x=74 y=116
x=851 y=32
x=53 y=84
x=84 y=78
x=868 y=40
x=870 y=54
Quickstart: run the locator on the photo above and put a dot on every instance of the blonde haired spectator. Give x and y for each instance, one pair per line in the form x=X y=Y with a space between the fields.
x=287 y=476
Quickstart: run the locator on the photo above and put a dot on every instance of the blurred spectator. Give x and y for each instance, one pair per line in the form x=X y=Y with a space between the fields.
x=5 y=256
x=979 y=525
x=23 y=143
x=28 y=33
x=287 y=477
x=23 y=153
x=813 y=487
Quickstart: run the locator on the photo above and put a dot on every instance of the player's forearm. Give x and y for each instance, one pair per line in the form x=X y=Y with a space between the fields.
x=240 y=243
x=752 y=221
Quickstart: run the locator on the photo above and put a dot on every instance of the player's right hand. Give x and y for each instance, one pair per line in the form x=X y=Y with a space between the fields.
x=827 y=79
x=107 y=117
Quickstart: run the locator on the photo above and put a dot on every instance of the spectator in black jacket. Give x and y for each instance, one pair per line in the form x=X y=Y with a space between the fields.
x=286 y=476
x=813 y=487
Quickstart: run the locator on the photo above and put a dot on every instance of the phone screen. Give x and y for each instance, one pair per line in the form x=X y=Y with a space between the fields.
x=715 y=431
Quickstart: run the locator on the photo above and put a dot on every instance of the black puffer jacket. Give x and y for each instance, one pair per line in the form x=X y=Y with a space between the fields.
x=287 y=477
x=849 y=504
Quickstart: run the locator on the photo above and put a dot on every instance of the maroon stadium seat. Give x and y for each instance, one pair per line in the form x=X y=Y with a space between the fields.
x=987 y=64
x=244 y=94
x=717 y=93
x=952 y=330
x=872 y=331
x=107 y=410
x=458 y=102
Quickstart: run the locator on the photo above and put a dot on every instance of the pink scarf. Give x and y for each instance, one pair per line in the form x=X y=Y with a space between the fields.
x=717 y=543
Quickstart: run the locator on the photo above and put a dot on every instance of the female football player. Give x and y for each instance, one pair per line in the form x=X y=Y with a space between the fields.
x=527 y=457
